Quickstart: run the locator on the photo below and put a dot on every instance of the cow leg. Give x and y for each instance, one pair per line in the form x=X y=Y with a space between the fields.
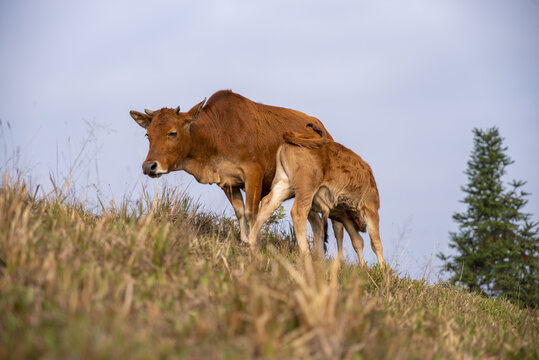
x=357 y=240
x=234 y=196
x=253 y=192
x=338 y=232
x=373 y=222
x=317 y=226
x=279 y=193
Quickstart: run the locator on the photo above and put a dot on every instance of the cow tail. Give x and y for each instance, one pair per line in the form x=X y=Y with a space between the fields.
x=326 y=236
x=310 y=141
x=317 y=130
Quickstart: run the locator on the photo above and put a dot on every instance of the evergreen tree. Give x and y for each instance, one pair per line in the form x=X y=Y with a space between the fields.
x=497 y=245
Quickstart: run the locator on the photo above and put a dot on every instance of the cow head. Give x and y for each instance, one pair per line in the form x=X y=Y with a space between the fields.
x=168 y=131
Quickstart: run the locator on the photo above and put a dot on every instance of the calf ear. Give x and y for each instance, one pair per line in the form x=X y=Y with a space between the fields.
x=141 y=119
x=195 y=110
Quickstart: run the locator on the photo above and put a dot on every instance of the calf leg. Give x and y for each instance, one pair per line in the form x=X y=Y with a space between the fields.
x=280 y=191
x=357 y=240
x=373 y=221
x=300 y=211
x=234 y=196
x=338 y=232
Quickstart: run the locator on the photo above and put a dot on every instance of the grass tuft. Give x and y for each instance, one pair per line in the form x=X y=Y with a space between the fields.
x=161 y=278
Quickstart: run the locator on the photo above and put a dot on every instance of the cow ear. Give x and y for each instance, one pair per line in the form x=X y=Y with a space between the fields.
x=143 y=120
x=195 y=110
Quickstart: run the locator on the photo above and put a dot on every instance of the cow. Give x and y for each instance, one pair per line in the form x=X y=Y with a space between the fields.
x=230 y=141
x=326 y=177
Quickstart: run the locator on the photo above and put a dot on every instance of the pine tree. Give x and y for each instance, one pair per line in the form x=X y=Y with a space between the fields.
x=497 y=245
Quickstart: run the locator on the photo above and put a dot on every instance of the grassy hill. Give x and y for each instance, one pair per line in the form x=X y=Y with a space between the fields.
x=162 y=279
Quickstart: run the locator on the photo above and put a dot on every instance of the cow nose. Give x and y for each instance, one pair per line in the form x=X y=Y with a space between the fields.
x=149 y=167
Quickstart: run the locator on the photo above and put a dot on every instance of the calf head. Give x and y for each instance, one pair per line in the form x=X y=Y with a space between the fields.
x=168 y=131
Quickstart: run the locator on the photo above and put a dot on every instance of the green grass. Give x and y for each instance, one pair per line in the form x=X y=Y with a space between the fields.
x=163 y=279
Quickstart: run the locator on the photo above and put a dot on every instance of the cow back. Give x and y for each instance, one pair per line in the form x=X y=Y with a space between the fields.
x=247 y=132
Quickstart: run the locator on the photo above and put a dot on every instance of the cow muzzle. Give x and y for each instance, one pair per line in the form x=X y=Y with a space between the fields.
x=152 y=169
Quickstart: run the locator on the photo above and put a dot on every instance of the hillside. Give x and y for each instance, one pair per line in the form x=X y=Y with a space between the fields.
x=162 y=279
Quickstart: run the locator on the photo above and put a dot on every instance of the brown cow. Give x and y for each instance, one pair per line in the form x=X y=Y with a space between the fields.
x=326 y=177
x=231 y=142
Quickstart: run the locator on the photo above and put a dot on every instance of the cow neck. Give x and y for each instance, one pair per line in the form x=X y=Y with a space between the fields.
x=202 y=150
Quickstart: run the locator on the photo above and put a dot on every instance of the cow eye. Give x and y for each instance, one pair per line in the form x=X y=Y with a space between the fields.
x=172 y=133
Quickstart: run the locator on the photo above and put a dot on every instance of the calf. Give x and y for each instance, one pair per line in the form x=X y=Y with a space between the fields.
x=328 y=178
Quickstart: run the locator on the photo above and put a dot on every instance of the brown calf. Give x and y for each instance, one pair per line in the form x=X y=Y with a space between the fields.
x=230 y=141
x=328 y=178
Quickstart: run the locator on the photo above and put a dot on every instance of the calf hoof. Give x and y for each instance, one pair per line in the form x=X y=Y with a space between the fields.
x=244 y=244
x=247 y=245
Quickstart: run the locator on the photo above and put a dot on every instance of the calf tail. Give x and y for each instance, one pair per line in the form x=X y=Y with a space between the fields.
x=310 y=141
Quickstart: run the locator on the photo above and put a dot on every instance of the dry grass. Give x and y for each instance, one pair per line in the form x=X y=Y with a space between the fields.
x=163 y=279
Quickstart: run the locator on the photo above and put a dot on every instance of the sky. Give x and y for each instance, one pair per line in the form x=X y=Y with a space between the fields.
x=401 y=83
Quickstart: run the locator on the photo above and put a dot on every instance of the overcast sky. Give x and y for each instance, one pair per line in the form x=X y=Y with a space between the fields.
x=402 y=83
